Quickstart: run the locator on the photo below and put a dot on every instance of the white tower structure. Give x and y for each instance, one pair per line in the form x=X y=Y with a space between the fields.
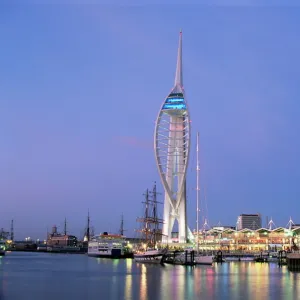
x=172 y=146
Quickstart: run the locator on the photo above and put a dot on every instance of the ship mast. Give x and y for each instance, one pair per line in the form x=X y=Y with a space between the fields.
x=155 y=219
x=88 y=227
x=150 y=220
x=146 y=218
x=197 y=192
x=122 y=226
x=65 y=227
x=12 y=230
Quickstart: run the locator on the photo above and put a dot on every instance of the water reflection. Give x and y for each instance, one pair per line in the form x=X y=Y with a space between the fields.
x=143 y=283
x=128 y=279
x=125 y=279
x=229 y=281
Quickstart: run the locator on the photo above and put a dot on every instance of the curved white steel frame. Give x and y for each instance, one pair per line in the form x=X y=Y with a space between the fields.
x=172 y=147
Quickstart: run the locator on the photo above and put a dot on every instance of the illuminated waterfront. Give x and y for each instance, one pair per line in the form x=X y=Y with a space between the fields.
x=45 y=276
x=250 y=240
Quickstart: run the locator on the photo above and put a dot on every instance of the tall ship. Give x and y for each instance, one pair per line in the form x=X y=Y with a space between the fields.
x=109 y=245
x=148 y=251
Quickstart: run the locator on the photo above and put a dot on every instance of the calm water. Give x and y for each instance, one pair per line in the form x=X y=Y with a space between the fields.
x=45 y=276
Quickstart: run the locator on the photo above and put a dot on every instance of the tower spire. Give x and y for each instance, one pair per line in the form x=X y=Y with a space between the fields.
x=178 y=76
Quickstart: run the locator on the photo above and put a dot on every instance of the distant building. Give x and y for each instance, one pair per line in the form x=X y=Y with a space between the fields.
x=57 y=239
x=249 y=221
x=4 y=235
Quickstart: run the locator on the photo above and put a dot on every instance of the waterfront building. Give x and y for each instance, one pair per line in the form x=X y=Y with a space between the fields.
x=249 y=221
x=57 y=239
x=248 y=240
x=172 y=147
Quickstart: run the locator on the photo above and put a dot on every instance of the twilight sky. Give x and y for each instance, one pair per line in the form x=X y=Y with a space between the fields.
x=80 y=89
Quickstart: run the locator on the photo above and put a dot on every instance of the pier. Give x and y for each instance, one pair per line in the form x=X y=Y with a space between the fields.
x=293 y=261
x=186 y=258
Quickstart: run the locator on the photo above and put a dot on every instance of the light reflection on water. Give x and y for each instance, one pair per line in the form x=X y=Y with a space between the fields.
x=80 y=277
x=143 y=284
x=128 y=280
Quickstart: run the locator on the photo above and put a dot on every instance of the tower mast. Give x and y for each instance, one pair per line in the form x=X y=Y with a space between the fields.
x=12 y=236
x=197 y=192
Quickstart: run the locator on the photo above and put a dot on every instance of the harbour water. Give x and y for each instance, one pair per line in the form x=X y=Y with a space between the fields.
x=43 y=276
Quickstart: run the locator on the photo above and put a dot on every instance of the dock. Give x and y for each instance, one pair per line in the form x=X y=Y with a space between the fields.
x=186 y=258
x=293 y=261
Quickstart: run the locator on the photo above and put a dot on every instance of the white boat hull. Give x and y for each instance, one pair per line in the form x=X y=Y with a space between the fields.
x=203 y=260
x=150 y=257
x=105 y=247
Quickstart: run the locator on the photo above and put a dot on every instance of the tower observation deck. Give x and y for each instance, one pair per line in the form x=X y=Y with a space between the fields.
x=172 y=147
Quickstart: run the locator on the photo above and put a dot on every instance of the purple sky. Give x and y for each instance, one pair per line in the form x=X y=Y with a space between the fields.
x=80 y=89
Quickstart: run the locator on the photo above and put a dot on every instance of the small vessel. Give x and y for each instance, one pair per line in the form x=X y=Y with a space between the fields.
x=153 y=256
x=109 y=246
x=148 y=251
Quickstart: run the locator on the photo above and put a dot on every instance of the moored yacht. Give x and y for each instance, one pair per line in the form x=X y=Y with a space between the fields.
x=200 y=258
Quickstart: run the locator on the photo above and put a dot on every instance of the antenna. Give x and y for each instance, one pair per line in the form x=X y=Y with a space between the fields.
x=197 y=192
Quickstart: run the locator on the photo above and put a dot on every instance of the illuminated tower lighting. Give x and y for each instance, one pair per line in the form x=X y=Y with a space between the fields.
x=172 y=146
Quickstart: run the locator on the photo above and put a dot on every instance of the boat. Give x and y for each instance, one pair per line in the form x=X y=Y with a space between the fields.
x=108 y=245
x=148 y=251
x=61 y=249
x=154 y=256
x=190 y=257
x=200 y=258
x=267 y=256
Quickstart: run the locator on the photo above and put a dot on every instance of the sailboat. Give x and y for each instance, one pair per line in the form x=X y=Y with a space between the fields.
x=200 y=258
x=148 y=252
